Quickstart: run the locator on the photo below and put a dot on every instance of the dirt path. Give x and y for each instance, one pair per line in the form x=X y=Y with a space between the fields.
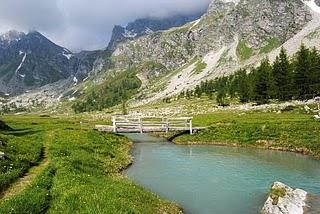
x=25 y=181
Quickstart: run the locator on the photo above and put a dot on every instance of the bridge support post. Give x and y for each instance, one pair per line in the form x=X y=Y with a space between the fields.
x=167 y=126
x=190 y=125
x=114 y=125
x=141 y=125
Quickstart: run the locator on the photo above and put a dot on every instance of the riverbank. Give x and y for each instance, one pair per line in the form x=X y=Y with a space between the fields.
x=287 y=131
x=83 y=174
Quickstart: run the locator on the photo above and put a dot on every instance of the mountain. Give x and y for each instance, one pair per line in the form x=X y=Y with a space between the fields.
x=146 y=26
x=230 y=35
x=30 y=61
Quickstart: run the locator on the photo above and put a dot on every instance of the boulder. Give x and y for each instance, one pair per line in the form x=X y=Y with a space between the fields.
x=285 y=200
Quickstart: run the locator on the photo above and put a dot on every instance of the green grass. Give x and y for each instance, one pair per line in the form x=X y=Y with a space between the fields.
x=243 y=51
x=271 y=44
x=292 y=131
x=276 y=193
x=35 y=199
x=84 y=173
x=199 y=67
x=23 y=149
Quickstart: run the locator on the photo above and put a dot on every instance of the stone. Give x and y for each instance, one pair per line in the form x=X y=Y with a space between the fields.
x=285 y=200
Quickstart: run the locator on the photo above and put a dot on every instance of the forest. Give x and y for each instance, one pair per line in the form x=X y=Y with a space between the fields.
x=285 y=79
x=113 y=91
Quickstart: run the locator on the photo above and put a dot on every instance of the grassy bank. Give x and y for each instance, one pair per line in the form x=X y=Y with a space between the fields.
x=83 y=175
x=289 y=131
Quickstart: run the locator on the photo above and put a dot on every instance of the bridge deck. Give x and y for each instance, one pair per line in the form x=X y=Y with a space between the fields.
x=106 y=128
x=126 y=124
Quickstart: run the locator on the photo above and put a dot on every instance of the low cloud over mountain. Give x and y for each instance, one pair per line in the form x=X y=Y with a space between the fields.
x=86 y=24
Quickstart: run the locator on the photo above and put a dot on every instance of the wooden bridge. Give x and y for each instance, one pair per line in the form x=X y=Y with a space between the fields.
x=125 y=124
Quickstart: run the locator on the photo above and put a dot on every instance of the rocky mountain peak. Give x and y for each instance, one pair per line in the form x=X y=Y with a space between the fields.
x=145 y=26
x=9 y=37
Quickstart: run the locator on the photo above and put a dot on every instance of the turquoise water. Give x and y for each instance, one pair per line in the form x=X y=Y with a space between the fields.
x=217 y=180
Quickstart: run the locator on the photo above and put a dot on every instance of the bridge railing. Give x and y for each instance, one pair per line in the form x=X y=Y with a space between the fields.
x=151 y=124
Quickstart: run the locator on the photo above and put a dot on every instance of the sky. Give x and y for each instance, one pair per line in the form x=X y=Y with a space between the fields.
x=86 y=24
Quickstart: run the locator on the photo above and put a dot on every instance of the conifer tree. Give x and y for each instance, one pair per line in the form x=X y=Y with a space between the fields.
x=262 y=82
x=282 y=74
x=301 y=73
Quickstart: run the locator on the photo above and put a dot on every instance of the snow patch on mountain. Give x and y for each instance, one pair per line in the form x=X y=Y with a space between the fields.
x=313 y=6
x=75 y=80
x=67 y=53
x=234 y=1
x=129 y=34
x=23 y=59
x=68 y=56
x=148 y=31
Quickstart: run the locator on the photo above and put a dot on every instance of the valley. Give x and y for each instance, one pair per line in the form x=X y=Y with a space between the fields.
x=246 y=71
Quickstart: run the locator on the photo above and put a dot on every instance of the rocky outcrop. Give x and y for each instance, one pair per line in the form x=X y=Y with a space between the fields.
x=285 y=200
x=146 y=26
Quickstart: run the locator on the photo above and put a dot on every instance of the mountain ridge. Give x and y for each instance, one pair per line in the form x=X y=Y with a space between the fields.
x=144 y=26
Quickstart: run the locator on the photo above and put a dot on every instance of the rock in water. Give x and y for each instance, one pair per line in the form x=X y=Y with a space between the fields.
x=285 y=200
x=4 y=126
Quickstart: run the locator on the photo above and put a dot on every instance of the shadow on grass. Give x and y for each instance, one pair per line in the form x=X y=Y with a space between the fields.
x=20 y=132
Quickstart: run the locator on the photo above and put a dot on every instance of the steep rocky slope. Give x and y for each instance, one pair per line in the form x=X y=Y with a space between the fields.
x=30 y=61
x=146 y=26
x=230 y=35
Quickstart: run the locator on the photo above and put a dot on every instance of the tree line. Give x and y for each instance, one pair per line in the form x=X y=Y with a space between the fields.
x=285 y=79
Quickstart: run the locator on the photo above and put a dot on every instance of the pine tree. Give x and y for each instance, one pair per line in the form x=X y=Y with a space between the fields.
x=283 y=78
x=314 y=77
x=301 y=73
x=262 y=82
x=244 y=86
x=197 y=91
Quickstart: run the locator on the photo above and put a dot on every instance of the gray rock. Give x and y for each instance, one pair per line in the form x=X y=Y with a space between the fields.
x=284 y=199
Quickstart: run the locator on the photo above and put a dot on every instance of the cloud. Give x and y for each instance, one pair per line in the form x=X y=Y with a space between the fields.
x=86 y=24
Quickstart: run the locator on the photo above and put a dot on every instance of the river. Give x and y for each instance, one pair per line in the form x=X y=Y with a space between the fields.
x=215 y=179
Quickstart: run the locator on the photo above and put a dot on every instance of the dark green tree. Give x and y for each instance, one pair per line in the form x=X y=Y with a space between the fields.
x=301 y=73
x=262 y=82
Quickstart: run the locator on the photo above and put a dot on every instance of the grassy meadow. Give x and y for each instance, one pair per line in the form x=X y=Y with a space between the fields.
x=293 y=131
x=83 y=173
